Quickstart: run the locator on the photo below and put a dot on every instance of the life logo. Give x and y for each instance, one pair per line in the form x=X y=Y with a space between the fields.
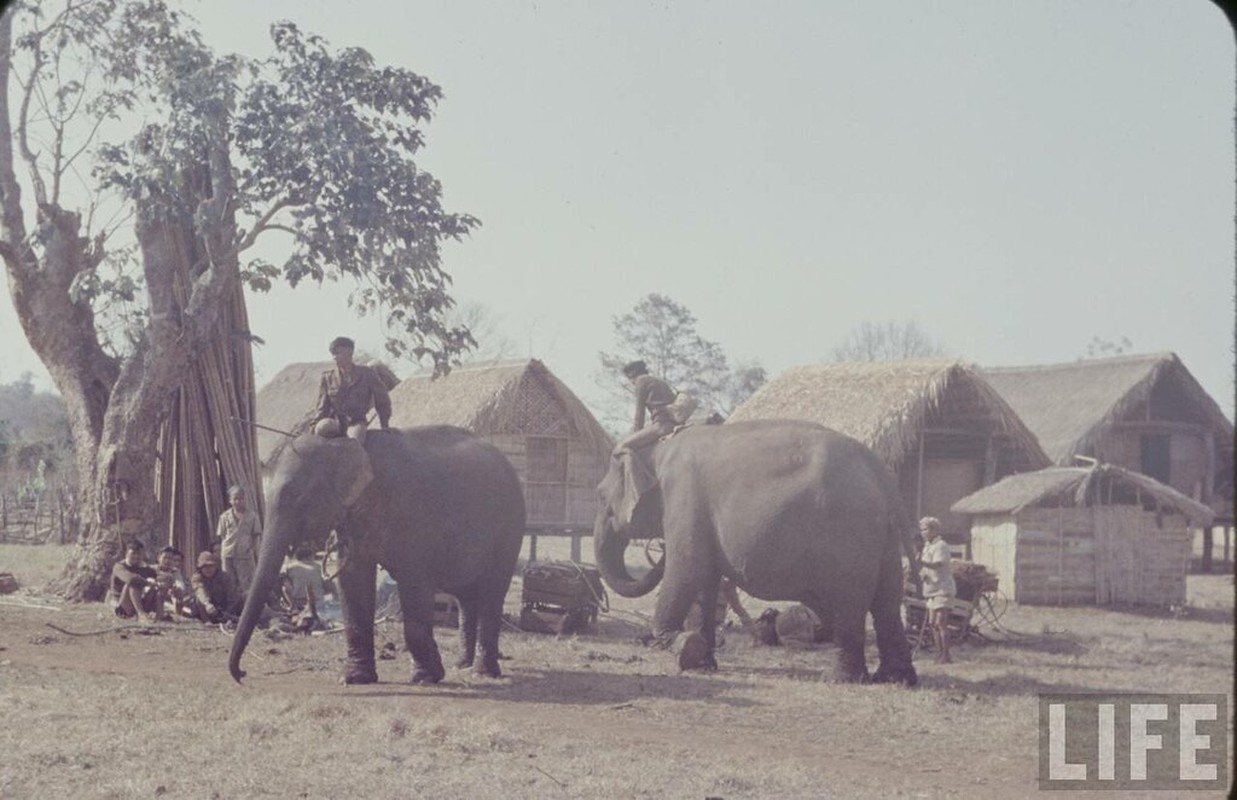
x=1133 y=741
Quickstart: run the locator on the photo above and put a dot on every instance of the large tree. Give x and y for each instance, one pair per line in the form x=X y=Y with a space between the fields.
x=887 y=341
x=198 y=156
x=663 y=333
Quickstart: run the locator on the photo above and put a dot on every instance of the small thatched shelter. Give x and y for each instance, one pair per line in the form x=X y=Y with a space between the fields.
x=556 y=445
x=289 y=401
x=1085 y=535
x=937 y=424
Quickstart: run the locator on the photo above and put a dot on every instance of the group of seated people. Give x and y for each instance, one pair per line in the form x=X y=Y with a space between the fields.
x=161 y=593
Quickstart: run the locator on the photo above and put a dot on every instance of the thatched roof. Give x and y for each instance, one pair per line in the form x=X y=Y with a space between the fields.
x=521 y=397
x=1073 y=486
x=1068 y=405
x=882 y=404
x=289 y=400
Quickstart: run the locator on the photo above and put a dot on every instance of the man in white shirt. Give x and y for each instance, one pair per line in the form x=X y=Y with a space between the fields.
x=938 y=584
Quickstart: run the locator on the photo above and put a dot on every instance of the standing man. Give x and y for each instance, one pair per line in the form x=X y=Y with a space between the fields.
x=653 y=396
x=938 y=584
x=347 y=393
x=238 y=534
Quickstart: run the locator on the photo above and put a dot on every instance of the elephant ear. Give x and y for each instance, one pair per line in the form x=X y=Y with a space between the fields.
x=360 y=482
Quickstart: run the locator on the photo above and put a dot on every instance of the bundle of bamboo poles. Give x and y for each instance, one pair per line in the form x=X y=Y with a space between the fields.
x=203 y=449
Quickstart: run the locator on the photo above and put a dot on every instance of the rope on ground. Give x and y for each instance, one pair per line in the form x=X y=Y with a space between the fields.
x=113 y=629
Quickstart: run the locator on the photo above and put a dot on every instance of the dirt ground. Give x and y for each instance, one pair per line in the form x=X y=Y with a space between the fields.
x=150 y=711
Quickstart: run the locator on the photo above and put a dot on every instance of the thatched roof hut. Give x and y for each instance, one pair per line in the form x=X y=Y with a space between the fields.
x=555 y=443
x=1083 y=535
x=935 y=422
x=1146 y=413
x=289 y=401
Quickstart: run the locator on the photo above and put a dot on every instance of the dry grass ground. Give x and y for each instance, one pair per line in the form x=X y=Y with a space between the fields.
x=123 y=714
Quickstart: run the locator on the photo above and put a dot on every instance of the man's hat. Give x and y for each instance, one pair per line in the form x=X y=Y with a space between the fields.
x=341 y=342
x=634 y=368
x=207 y=557
x=929 y=524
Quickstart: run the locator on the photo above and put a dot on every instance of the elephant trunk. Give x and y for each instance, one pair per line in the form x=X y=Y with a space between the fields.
x=608 y=549
x=270 y=561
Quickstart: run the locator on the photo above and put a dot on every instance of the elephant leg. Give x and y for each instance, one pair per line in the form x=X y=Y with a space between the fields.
x=417 y=605
x=468 y=628
x=683 y=584
x=356 y=592
x=708 y=621
x=490 y=614
x=895 y=652
x=848 y=632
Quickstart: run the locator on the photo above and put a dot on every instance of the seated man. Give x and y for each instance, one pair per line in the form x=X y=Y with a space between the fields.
x=214 y=591
x=304 y=589
x=175 y=599
x=347 y=393
x=133 y=584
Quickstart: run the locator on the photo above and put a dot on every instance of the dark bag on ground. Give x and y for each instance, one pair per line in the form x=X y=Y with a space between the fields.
x=561 y=597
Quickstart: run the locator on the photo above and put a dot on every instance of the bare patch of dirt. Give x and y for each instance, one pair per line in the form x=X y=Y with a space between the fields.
x=151 y=711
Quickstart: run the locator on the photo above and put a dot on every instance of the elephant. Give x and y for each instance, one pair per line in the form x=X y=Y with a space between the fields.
x=786 y=510
x=439 y=507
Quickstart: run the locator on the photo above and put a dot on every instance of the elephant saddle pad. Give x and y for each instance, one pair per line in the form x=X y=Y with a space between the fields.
x=639 y=477
x=562 y=585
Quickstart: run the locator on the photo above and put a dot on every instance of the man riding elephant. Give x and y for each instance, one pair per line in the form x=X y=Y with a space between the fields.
x=348 y=393
x=654 y=397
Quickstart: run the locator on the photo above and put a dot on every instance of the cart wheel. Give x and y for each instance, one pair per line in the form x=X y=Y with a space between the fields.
x=654 y=550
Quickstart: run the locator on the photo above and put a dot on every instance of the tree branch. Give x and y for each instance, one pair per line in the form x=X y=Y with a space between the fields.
x=264 y=224
x=12 y=225
x=23 y=124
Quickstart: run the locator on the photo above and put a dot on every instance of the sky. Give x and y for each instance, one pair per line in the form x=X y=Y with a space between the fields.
x=1014 y=177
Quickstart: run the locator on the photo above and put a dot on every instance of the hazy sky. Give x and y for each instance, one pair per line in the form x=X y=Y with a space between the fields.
x=1015 y=177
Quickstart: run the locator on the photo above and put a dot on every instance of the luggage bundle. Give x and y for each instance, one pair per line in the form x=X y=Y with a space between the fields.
x=561 y=597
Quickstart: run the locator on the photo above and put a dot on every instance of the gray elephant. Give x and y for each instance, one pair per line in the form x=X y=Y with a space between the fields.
x=787 y=511
x=438 y=507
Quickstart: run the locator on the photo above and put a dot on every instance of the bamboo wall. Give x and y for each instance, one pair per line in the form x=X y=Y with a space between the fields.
x=1141 y=561
x=1055 y=562
x=572 y=504
x=1087 y=556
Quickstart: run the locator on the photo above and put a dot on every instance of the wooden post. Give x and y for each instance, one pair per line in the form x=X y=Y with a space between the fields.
x=1208 y=543
x=532 y=547
x=1227 y=530
x=575 y=546
x=919 y=482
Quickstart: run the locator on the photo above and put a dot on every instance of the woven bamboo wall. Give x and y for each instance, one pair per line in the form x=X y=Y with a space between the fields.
x=1100 y=555
x=573 y=505
x=1055 y=557
x=1141 y=561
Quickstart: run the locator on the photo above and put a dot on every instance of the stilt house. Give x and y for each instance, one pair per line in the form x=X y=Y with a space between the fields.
x=937 y=424
x=558 y=448
x=1145 y=413
x=1085 y=535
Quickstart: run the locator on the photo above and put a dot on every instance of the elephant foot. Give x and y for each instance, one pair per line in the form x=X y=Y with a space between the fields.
x=489 y=670
x=905 y=676
x=423 y=675
x=693 y=652
x=841 y=675
x=464 y=662
x=357 y=676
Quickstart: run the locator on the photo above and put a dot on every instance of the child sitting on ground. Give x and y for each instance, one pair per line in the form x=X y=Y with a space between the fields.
x=175 y=598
